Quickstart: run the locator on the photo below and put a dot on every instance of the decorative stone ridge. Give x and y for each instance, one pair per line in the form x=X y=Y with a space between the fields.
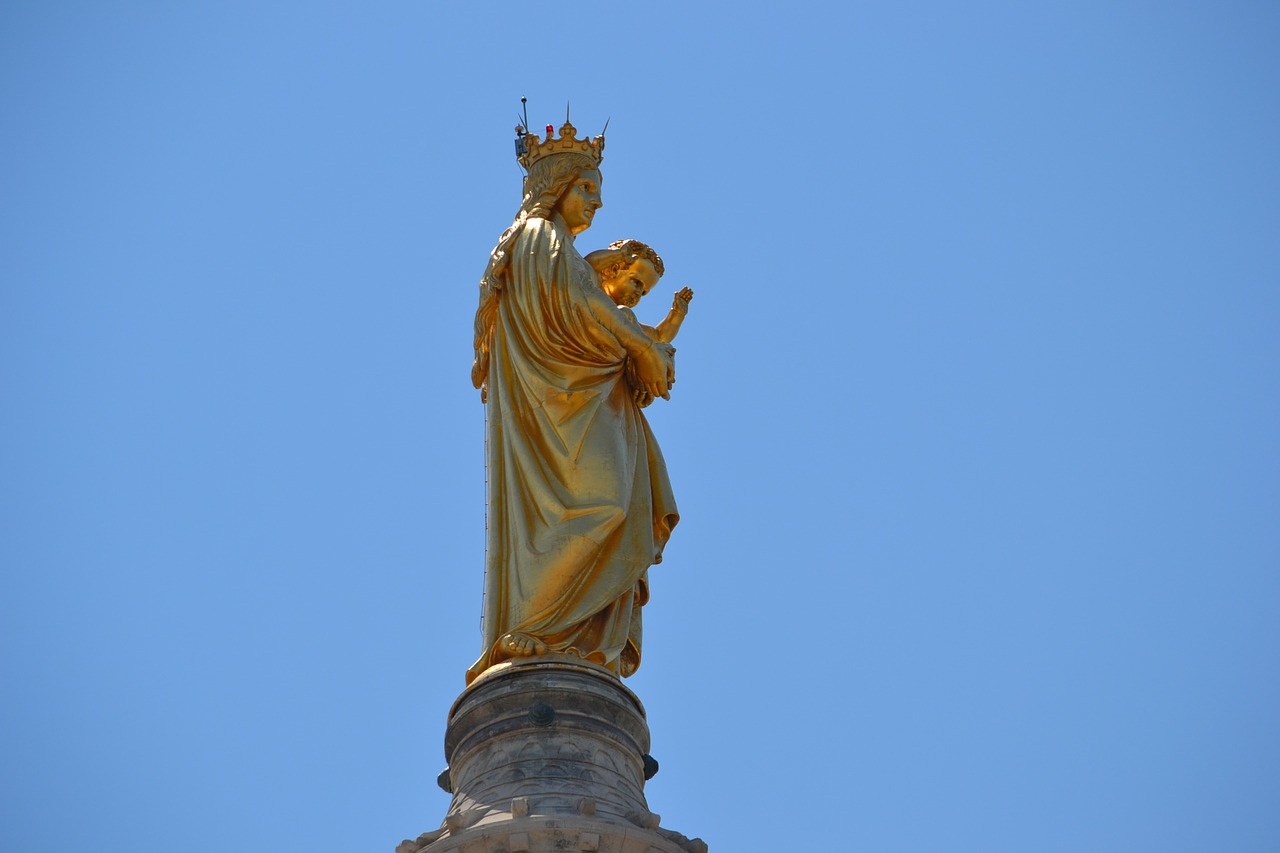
x=548 y=755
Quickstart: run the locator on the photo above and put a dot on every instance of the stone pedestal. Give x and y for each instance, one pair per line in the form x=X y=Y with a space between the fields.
x=548 y=754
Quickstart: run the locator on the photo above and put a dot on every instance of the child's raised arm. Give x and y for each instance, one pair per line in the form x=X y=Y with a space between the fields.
x=668 y=328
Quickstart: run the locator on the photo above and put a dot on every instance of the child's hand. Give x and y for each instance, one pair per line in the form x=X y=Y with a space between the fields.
x=681 y=302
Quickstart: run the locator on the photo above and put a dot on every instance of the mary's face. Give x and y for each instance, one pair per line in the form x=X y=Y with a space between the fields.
x=580 y=201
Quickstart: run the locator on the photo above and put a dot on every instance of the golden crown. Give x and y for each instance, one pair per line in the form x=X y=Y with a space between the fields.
x=530 y=149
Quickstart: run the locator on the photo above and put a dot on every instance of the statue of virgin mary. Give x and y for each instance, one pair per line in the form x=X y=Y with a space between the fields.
x=579 y=502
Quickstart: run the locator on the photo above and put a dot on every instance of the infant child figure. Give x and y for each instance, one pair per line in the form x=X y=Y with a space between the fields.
x=628 y=270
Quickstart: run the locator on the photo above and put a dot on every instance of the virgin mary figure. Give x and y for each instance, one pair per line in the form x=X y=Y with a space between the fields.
x=579 y=502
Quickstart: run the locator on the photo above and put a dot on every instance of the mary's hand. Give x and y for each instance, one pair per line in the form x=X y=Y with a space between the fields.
x=642 y=397
x=654 y=369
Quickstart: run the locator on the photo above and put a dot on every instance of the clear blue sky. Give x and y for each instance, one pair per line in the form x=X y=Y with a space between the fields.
x=976 y=436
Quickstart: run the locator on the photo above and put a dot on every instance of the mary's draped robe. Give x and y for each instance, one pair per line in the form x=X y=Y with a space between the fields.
x=579 y=500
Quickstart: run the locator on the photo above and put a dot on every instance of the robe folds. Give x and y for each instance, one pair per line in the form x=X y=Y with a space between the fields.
x=579 y=500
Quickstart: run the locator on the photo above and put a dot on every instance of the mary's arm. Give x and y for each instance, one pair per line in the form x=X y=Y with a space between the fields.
x=653 y=362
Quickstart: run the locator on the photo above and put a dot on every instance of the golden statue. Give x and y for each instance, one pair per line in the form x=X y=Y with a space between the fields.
x=579 y=500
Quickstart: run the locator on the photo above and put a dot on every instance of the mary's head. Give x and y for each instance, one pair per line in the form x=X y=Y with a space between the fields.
x=579 y=202
x=565 y=186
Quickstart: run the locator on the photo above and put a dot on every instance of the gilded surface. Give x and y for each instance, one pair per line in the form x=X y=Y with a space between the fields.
x=579 y=500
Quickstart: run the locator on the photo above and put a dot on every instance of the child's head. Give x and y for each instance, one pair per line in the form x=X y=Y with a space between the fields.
x=628 y=270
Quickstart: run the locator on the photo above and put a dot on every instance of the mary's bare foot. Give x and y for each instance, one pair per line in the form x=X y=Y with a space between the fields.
x=522 y=645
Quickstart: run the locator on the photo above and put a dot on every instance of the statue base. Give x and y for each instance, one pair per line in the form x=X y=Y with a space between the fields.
x=548 y=753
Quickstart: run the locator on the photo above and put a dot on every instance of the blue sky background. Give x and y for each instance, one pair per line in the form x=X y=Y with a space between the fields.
x=976 y=436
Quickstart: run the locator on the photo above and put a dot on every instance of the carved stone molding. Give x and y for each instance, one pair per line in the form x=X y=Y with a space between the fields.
x=548 y=755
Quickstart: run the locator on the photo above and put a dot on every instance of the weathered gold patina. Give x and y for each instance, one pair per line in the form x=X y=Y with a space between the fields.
x=579 y=502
